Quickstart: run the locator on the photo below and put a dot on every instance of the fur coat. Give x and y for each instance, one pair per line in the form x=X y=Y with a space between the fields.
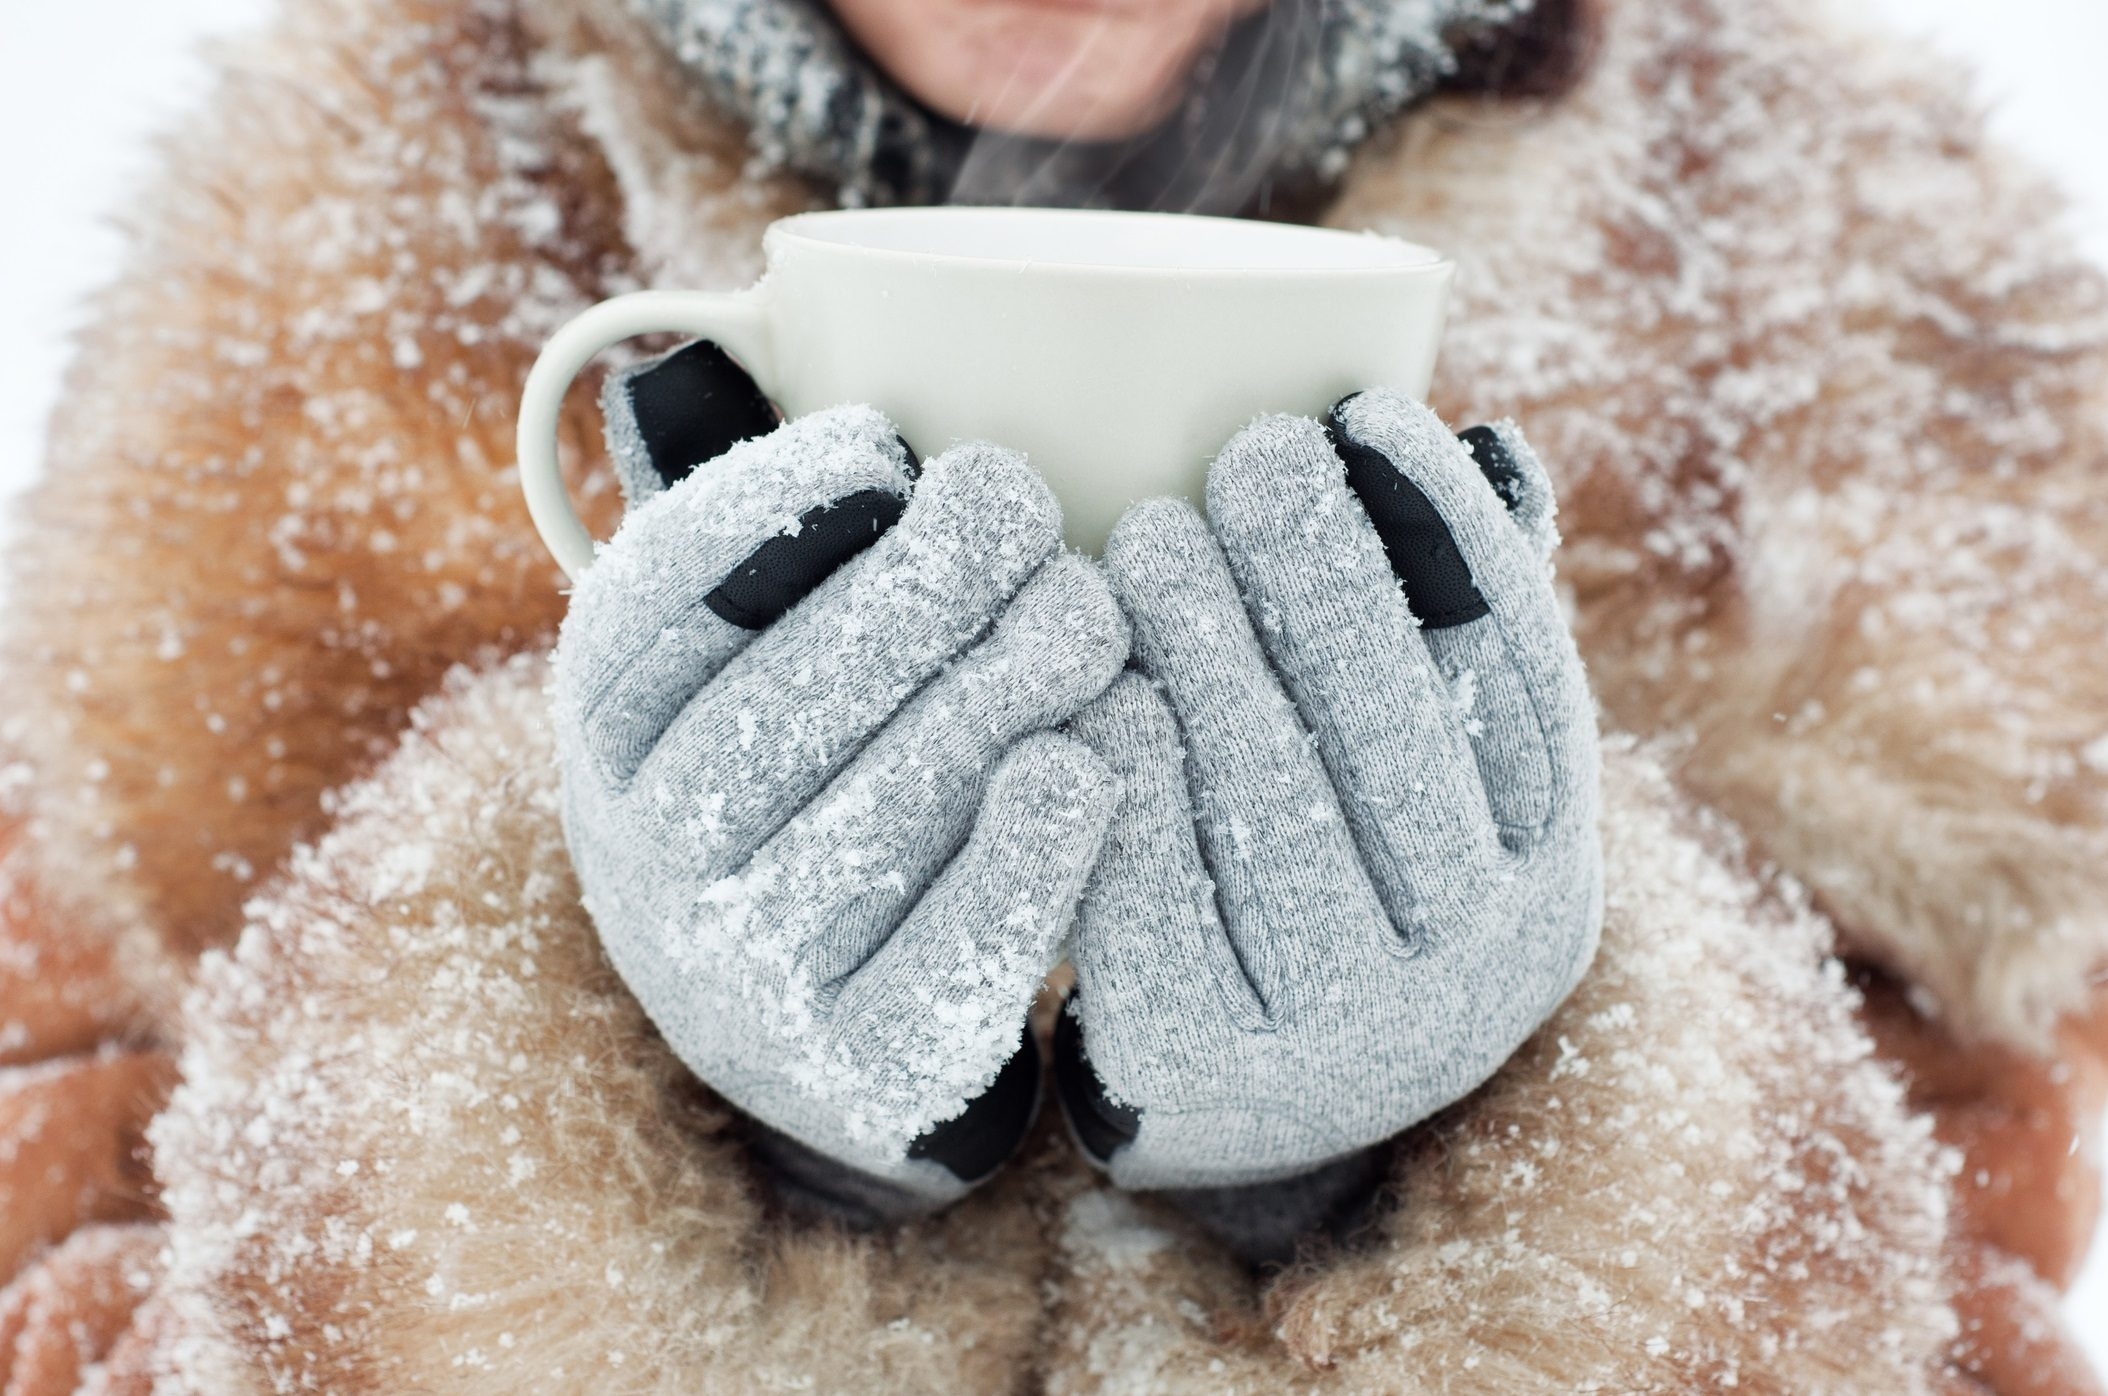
x=312 y=1076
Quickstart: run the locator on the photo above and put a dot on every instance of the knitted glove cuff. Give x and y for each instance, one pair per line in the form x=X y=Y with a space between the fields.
x=817 y=1187
x=1262 y=1224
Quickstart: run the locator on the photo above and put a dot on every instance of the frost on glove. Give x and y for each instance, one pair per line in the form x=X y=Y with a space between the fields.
x=1355 y=861
x=803 y=707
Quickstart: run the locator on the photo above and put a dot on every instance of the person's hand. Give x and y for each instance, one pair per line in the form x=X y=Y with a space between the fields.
x=803 y=701
x=1355 y=860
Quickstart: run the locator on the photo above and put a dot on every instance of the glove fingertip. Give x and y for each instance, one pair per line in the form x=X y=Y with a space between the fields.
x=1158 y=546
x=1051 y=800
x=668 y=415
x=1069 y=599
x=1508 y=464
x=982 y=509
x=1270 y=470
x=1066 y=770
x=1416 y=538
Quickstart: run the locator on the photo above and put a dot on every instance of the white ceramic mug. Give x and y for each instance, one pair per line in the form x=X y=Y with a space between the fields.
x=1118 y=351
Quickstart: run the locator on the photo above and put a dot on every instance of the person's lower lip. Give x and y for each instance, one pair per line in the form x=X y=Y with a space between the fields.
x=1067 y=7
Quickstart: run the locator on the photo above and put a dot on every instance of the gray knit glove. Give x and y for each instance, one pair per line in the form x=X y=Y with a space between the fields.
x=1355 y=861
x=821 y=825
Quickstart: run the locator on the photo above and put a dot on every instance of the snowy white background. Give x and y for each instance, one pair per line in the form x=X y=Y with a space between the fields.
x=84 y=82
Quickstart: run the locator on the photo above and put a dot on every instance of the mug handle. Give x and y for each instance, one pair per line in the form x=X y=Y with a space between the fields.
x=736 y=322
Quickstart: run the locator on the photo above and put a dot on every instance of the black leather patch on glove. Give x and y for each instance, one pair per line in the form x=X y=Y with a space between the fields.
x=983 y=1137
x=693 y=406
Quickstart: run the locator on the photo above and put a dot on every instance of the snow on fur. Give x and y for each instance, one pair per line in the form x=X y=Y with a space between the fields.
x=426 y=1140
x=374 y=227
x=1825 y=384
x=1826 y=393
x=1689 y=1180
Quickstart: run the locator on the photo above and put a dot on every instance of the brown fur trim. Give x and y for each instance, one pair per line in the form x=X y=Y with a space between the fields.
x=428 y=1140
x=62 y=1320
x=71 y=1146
x=693 y=203
x=279 y=502
x=1825 y=388
x=1690 y=1180
x=1827 y=404
x=1849 y=542
x=61 y=992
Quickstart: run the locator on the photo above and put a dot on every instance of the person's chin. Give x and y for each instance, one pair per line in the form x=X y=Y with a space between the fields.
x=1081 y=70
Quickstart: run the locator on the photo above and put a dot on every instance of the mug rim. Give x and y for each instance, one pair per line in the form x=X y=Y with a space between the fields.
x=1417 y=259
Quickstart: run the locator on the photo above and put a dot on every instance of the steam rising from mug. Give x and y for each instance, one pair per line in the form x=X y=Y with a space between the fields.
x=1273 y=113
x=1276 y=108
